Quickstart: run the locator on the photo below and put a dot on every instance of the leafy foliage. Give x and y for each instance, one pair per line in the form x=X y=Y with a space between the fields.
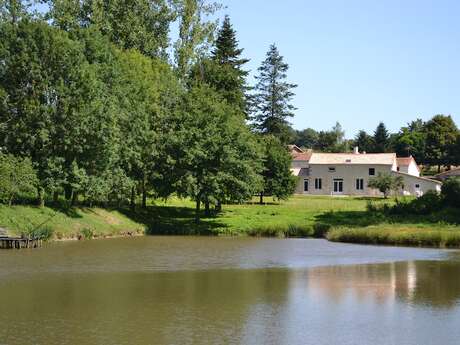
x=278 y=180
x=451 y=192
x=386 y=183
x=17 y=176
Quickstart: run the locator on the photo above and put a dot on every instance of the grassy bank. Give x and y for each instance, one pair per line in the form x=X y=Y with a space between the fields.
x=344 y=219
x=67 y=223
x=400 y=235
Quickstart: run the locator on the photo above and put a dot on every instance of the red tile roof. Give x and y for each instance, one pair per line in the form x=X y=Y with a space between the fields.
x=304 y=156
x=404 y=160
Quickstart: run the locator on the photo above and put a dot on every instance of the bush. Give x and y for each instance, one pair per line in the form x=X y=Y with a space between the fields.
x=427 y=204
x=451 y=192
x=42 y=233
x=320 y=230
x=87 y=233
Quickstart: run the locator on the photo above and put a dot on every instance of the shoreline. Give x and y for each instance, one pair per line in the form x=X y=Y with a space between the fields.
x=337 y=236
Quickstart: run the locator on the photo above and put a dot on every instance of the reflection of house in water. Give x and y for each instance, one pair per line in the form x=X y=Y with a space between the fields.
x=435 y=283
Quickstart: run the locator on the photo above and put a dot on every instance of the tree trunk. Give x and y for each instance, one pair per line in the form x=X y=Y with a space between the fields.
x=144 y=194
x=261 y=198
x=219 y=206
x=439 y=168
x=74 y=199
x=133 y=199
x=207 y=210
x=55 y=197
x=197 y=211
x=68 y=192
x=40 y=197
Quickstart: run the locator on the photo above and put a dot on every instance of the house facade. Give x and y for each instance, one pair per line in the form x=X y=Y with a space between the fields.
x=349 y=173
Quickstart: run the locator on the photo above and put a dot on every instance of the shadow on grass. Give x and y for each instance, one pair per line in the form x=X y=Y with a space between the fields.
x=168 y=220
x=68 y=211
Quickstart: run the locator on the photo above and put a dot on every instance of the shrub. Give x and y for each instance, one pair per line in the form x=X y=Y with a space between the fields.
x=320 y=230
x=451 y=192
x=87 y=233
x=427 y=204
x=41 y=233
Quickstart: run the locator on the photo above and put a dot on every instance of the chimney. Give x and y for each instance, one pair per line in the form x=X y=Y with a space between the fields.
x=356 y=150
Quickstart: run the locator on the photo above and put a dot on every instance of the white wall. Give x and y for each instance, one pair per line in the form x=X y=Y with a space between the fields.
x=349 y=174
x=424 y=185
x=410 y=169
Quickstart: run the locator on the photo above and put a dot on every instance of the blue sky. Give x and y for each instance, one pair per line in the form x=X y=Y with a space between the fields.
x=359 y=62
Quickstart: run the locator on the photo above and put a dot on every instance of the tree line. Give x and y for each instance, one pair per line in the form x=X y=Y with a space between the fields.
x=435 y=142
x=103 y=108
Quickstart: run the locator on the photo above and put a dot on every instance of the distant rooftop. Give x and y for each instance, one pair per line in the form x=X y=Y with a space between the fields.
x=353 y=158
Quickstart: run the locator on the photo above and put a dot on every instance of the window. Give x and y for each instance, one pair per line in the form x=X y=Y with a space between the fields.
x=305 y=185
x=417 y=186
x=371 y=171
x=398 y=168
x=331 y=169
x=318 y=183
x=359 y=184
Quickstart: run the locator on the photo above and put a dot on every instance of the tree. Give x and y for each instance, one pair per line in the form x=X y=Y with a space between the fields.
x=231 y=82
x=278 y=180
x=326 y=141
x=364 y=141
x=450 y=192
x=141 y=24
x=339 y=134
x=386 y=183
x=17 y=176
x=381 y=139
x=216 y=158
x=306 y=138
x=410 y=141
x=273 y=96
x=12 y=11
x=195 y=33
x=56 y=107
x=441 y=136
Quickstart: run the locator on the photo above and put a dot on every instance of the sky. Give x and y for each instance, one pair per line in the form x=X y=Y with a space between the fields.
x=358 y=62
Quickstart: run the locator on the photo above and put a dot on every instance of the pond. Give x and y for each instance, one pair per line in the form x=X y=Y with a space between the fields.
x=200 y=290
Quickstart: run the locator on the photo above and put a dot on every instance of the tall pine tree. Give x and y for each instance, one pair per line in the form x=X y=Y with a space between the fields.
x=273 y=96
x=231 y=81
x=381 y=138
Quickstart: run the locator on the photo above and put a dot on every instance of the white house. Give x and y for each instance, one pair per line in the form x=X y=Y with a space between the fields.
x=349 y=173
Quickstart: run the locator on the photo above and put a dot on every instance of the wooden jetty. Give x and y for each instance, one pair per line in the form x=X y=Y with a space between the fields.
x=19 y=243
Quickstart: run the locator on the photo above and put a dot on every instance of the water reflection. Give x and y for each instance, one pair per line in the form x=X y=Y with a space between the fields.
x=266 y=306
x=220 y=291
x=433 y=283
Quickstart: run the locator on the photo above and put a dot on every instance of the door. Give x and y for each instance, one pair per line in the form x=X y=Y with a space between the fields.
x=338 y=186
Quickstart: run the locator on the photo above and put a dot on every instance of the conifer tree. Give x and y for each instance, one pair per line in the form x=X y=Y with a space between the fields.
x=364 y=141
x=230 y=82
x=273 y=96
x=381 y=138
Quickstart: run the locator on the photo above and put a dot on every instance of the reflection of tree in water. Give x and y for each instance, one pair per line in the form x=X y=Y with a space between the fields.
x=185 y=307
x=431 y=283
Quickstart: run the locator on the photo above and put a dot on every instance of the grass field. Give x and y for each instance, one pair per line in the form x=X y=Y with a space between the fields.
x=346 y=219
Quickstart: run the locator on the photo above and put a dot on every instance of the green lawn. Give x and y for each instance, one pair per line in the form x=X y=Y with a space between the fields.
x=346 y=217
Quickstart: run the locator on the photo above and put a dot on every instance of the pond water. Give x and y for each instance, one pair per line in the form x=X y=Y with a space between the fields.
x=190 y=290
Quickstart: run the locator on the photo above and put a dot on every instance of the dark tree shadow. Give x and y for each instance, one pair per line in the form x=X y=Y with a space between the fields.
x=68 y=211
x=168 y=220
